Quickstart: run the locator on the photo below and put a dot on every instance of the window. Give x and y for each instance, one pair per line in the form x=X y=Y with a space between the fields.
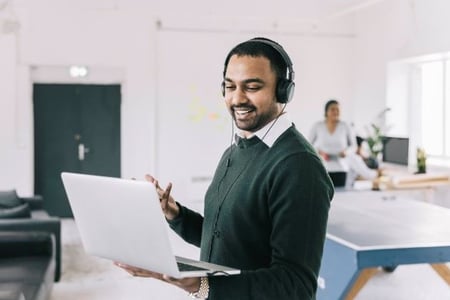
x=418 y=95
x=447 y=109
x=434 y=113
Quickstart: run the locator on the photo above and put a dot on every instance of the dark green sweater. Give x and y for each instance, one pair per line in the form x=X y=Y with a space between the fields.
x=266 y=214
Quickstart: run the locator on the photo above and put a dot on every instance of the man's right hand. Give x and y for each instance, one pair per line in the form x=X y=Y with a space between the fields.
x=168 y=205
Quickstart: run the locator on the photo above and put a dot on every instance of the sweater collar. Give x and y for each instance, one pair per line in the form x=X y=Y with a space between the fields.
x=269 y=135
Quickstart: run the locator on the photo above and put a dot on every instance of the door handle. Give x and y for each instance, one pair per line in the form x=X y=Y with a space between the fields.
x=82 y=150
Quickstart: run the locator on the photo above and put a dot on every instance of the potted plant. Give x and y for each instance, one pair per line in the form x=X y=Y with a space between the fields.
x=374 y=139
x=421 y=161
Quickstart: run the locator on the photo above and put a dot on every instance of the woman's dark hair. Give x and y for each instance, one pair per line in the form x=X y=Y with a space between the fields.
x=329 y=103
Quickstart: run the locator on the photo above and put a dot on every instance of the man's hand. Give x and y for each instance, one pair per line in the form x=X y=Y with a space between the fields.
x=189 y=284
x=168 y=204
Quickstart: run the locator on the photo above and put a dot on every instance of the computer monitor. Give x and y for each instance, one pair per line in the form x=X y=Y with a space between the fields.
x=395 y=150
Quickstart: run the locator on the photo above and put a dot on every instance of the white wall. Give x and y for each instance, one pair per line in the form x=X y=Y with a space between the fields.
x=388 y=32
x=382 y=30
x=329 y=58
x=127 y=41
x=9 y=144
x=188 y=140
x=101 y=40
x=345 y=58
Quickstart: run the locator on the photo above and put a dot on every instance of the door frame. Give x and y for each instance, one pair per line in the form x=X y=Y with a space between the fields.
x=67 y=116
x=61 y=75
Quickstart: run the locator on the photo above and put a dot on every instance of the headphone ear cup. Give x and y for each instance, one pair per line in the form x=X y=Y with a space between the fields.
x=285 y=90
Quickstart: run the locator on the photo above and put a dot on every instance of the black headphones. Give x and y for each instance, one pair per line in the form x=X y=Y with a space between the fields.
x=285 y=86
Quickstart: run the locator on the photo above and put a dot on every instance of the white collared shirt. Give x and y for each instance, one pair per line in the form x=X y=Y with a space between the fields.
x=269 y=135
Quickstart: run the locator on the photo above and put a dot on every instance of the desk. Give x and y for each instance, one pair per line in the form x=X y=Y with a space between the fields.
x=405 y=181
x=426 y=184
x=369 y=229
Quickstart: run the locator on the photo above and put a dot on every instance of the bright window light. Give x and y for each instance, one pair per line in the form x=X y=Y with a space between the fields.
x=432 y=114
x=447 y=109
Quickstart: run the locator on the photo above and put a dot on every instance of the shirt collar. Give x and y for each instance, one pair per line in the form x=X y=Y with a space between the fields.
x=269 y=135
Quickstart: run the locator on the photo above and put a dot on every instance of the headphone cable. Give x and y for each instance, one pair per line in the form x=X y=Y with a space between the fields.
x=273 y=123
x=231 y=143
x=262 y=138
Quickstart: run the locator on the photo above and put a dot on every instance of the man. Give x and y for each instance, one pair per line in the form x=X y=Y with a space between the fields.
x=267 y=206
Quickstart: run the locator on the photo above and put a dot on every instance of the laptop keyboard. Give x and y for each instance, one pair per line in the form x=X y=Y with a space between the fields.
x=186 y=267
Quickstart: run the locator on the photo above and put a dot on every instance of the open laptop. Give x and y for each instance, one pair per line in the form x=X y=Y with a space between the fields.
x=122 y=220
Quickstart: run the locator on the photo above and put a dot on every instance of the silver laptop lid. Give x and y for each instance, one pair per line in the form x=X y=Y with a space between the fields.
x=121 y=220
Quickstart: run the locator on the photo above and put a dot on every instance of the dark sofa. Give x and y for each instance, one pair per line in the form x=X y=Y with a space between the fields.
x=27 y=230
x=27 y=265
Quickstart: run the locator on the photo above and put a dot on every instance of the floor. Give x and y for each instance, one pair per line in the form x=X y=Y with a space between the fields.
x=88 y=277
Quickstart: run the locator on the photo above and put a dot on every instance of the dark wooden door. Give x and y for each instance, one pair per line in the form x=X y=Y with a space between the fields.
x=76 y=129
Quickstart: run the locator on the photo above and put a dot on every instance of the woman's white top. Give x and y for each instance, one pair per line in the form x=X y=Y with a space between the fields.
x=342 y=139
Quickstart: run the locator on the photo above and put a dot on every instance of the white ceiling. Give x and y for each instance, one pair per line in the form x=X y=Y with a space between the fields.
x=309 y=10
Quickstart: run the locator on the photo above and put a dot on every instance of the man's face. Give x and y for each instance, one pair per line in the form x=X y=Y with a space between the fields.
x=250 y=85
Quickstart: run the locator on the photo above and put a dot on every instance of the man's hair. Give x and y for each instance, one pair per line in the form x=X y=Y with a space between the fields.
x=257 y=48
x=329 y=103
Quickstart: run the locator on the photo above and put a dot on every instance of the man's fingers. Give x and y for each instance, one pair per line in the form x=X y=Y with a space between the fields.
x=149 y=178
x=170 y=279
x=153 y=180
x=187 y=284
x=166 y=193
x=162 y=193
x=138 y=272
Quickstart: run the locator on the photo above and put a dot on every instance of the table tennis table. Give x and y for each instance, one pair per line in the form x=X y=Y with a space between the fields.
x=372 y=229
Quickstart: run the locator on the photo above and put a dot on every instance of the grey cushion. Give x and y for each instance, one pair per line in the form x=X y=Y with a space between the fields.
x=20 y=211
x=9 y=199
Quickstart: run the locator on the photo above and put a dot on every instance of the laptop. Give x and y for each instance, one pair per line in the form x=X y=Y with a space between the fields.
x=122 y=220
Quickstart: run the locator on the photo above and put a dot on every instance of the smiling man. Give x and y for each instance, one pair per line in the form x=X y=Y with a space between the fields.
x=249 y=86
x=267 y=206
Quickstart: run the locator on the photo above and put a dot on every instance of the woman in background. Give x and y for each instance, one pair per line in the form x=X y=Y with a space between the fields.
x=335 y=142
x=332 y=137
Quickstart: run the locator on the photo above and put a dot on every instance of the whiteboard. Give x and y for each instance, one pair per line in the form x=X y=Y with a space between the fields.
x=193 y=124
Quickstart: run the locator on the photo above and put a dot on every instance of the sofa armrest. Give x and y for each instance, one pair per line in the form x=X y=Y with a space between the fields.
x=26 y=243
x=51 y=225
x=35 y=202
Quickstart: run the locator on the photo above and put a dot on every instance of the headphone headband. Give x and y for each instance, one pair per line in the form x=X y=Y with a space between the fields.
x=285 y=86
x=281 y=51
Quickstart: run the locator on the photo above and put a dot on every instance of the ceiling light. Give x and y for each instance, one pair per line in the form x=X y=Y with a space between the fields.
x=78 y=71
